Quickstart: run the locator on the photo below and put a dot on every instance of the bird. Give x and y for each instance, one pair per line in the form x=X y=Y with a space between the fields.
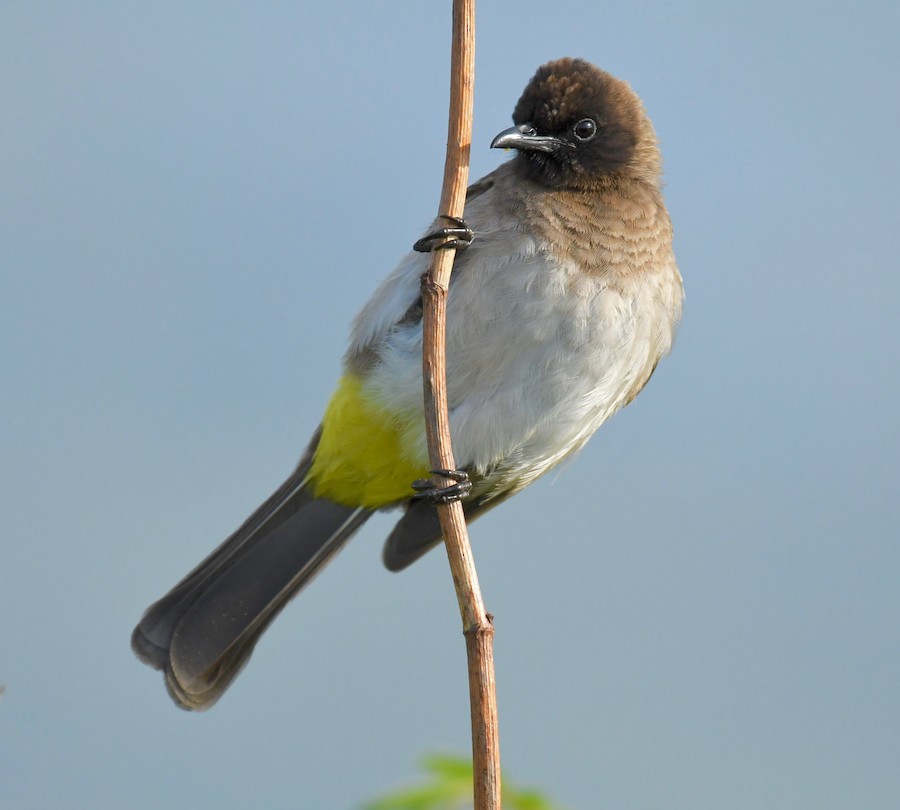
x=559 y=309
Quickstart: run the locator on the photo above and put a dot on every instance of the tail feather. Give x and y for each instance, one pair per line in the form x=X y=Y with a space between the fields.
x=152 y=636
x=202 y=632
x=419 y=530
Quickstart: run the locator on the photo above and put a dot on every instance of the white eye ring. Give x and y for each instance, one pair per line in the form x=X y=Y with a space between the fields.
x=585 y=129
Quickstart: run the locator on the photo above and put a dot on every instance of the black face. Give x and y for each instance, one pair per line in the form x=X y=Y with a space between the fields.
x=575 y=125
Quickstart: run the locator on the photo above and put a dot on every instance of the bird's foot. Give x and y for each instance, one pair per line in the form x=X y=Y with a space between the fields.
x=427 y=490
x=459 y=236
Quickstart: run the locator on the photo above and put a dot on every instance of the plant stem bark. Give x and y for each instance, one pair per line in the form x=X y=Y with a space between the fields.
x=477 y=623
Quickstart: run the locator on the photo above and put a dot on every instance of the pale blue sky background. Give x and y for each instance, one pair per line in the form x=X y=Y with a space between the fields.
x=701 y=612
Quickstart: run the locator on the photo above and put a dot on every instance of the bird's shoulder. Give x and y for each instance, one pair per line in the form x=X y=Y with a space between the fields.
x=612 y=236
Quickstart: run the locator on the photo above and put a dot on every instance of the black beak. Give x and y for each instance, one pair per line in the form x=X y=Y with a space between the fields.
x=525 y=137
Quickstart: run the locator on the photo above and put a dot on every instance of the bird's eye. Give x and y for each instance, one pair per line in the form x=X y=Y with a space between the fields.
x=585 y=129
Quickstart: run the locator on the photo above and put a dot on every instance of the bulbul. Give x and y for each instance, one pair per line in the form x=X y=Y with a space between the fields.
x=558 y=313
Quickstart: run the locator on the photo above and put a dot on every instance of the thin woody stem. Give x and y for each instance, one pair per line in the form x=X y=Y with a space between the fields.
x=477 y=625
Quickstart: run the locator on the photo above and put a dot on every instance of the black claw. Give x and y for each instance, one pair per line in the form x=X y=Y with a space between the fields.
x=426 y=490
x=458 y=236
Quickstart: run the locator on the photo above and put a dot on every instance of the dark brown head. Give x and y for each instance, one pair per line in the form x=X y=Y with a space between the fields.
x=576 y=126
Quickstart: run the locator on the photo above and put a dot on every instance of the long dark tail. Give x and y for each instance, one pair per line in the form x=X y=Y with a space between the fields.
x=202 y=632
